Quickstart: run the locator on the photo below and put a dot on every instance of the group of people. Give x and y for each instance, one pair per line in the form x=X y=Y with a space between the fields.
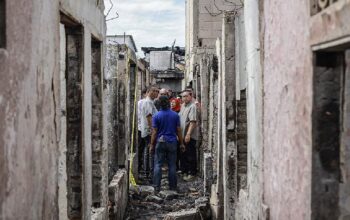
x=167 y=134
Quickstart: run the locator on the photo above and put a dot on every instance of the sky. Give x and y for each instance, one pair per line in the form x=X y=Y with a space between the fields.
x=152 y=23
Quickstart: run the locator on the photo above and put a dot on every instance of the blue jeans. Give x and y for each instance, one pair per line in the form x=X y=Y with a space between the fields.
x=164 y=151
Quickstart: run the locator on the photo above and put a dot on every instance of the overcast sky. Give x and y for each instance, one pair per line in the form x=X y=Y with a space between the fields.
x=151 y=22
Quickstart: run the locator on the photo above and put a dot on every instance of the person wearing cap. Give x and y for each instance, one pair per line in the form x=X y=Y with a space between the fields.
x=164 y=142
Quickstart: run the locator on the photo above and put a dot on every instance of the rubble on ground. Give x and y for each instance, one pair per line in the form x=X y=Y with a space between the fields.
x=188 y=202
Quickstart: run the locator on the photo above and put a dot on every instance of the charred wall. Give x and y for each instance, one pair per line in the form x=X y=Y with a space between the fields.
x=31 y=110
x=241 y=140
x=96 y=127
x=74 y=121
x=111 y=91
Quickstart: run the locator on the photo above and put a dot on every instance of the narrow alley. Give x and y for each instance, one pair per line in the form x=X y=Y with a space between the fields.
x=175 y=110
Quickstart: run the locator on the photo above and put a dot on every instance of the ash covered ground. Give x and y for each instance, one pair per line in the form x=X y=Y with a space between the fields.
x=187 y=202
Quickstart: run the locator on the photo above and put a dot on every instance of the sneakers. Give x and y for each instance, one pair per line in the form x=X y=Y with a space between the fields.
x=189 y=178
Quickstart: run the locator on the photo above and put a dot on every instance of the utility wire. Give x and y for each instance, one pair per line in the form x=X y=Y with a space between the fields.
x=109 y=10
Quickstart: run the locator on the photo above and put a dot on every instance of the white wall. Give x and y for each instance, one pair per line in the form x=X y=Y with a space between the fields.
x=160 y=60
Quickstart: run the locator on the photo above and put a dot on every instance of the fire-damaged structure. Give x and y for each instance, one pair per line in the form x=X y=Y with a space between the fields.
x=166 y=65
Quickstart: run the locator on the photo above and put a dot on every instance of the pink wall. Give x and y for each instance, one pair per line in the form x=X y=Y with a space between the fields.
x=287 y=82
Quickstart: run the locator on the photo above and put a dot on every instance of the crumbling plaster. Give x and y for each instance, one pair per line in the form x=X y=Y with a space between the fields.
x=330 y=24
x=29 y=93
x=28 y=134
x=250 y=204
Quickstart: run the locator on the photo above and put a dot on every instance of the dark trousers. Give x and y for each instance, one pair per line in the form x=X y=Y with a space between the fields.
x=165 y=151
x=188 y=159
x=178 y=153
x=140 y=146
x=148 y=160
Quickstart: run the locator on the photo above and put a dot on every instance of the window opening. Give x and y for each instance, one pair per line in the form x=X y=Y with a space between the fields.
x=73 y=81
x=326 y=124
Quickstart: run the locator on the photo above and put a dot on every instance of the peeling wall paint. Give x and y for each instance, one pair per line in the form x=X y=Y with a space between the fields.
x=30 y=91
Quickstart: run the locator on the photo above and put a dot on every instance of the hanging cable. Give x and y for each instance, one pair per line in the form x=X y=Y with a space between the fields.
x=109 y=10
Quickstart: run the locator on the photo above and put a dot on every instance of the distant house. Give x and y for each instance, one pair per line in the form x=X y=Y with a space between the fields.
x=122 y=39
x=165 y=65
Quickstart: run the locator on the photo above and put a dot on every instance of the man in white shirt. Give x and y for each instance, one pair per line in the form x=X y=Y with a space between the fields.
x=140 y=144
x=147 y=111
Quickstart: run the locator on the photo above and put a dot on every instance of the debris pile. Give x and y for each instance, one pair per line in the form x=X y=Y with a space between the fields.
x=188 y=202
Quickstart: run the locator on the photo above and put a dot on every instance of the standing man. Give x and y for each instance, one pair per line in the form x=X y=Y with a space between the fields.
x=188 y=119
x=140 y=144
x=147 y=111
x=166 y=129
x=162 y=92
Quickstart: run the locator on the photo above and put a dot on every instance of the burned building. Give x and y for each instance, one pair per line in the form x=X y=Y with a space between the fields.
x=122 y=93
x=52 y=162
x=166 y=66
x=272 y=78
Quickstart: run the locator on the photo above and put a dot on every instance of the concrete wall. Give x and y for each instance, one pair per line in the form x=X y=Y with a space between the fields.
x=287 y=114
x=203 y=27
x=161 y=60
x=111 y=86
x=286 y=159
x=122 y=74
x=118 y=194
x=30 y=105
x=228 y=108
x=121 y=39
x=28 y=136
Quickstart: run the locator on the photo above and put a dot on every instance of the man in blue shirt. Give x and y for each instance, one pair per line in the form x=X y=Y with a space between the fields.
x=166 y=133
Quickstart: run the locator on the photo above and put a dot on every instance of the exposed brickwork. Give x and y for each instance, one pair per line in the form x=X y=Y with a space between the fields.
x=213 y=110
x=208 y=172
x=96 y=129
x=74 y=123
x=241 y=137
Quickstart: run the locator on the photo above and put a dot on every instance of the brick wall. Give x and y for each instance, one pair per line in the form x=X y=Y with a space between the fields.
x=74 y=122
x=96 y=129
x=241 y=137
